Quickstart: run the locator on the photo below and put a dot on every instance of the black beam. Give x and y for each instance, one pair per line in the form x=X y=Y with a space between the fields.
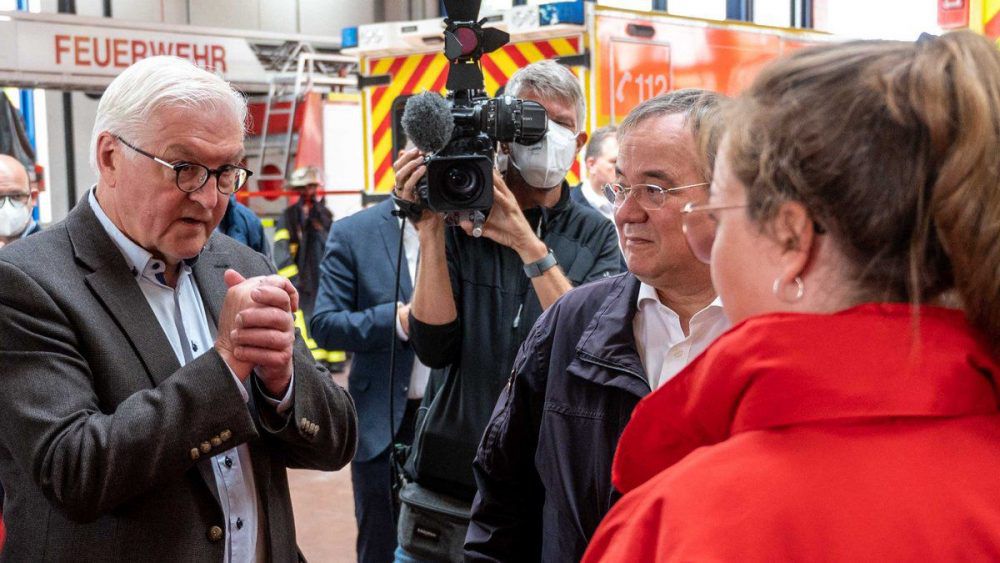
x=660 y=5
x=107 y=8
x=807 y=14
x=739 y=10
x=69 y=7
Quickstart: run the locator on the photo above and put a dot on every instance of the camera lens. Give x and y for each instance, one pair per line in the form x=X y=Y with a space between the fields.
x=462 y=182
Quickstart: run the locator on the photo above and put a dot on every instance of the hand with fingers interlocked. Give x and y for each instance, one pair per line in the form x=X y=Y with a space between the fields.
x=257 y=329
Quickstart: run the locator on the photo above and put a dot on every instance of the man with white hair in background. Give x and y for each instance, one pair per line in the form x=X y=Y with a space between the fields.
x=154 y=389
x=17 y=199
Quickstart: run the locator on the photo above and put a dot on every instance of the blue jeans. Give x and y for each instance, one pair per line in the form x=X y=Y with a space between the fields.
x=404 y=557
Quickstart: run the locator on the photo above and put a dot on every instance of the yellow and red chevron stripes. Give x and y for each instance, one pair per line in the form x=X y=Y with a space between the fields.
x=991 y=19
x=416 y=73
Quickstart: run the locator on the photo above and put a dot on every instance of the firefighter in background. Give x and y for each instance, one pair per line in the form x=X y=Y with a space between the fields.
x=299 y=239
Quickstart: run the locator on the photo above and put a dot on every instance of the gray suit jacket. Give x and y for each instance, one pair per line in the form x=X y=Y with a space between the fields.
x=105 y=440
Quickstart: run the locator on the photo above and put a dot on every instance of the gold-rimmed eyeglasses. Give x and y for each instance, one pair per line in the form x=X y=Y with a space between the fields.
x=648 y=196
x=699 y=223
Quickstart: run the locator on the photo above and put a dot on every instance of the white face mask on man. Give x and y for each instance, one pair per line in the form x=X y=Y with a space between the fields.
x=544 y=164
x=13 y=219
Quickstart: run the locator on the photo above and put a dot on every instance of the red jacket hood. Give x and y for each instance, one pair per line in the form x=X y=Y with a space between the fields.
x=875 y=360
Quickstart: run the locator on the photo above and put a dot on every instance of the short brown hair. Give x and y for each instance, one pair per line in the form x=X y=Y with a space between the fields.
x=893 y=147
x=701 y=110
x=596 y=142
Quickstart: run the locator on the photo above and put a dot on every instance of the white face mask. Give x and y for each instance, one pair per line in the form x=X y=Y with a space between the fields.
x=544 y=164
x=13 y=220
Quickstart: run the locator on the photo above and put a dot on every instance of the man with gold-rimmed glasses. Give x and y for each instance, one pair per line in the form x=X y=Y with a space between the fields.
x=544 y=466
x=154 y=387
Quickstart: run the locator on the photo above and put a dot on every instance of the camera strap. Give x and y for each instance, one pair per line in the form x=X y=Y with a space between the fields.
x=394 y=479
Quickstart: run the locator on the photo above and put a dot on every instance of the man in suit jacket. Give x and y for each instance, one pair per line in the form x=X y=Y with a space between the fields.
x=356 y=310
x=599 y=160
x=154 y=390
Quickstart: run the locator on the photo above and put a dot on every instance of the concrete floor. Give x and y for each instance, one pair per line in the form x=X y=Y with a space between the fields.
x=324 y=515
x=324 y=511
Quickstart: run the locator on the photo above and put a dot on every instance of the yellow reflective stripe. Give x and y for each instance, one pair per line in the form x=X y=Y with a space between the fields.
x=289 y=272
x=319 y=354
x=282 y=234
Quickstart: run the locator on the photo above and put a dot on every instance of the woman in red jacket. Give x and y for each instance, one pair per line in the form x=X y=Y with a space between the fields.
x=850 y=414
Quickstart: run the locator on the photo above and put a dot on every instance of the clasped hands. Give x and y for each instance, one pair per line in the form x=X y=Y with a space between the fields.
x=257 y=329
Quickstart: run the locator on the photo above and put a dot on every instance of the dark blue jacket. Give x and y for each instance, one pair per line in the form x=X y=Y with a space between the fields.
x=242 y=224
x=543 y=469
x=355 y=311
x=576 y=194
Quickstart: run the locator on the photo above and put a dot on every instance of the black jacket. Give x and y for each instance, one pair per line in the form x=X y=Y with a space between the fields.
x=544 y=466
x=299 y=242
x=497 y=306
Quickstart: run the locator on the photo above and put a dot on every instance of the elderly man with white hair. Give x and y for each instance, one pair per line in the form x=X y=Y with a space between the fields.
x=154 y=390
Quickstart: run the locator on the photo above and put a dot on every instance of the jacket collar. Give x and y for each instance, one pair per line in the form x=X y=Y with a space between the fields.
x=868 y=362
x=546 y=214
x=609 y=342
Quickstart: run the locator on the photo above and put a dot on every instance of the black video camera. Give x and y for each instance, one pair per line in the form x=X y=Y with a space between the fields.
x=460 y=149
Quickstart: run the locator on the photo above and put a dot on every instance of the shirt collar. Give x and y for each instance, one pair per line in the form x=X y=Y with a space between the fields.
x=596 y=200
x=27 y=230
x=140 y=261
x=647 y=293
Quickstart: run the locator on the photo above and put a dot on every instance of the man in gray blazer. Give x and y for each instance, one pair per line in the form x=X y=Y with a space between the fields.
x=153 y=388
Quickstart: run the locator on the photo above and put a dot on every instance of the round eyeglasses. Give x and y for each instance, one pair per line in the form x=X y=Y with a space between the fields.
x=191 y=176
x=17 y=201
x=649 y=196
x=699 y=223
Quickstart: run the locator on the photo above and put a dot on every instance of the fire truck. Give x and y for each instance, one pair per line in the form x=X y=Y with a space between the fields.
x=982 y=16
x=621 y=58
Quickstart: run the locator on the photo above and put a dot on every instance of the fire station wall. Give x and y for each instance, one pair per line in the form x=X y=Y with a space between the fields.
x=311 y=17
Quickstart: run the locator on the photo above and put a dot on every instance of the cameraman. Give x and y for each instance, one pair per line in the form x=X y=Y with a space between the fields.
x=476 y=298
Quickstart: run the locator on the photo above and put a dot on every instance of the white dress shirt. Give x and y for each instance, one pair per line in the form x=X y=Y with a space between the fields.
x=420 y=373
x=182 y=316
x=663 y=347
x=598 y=201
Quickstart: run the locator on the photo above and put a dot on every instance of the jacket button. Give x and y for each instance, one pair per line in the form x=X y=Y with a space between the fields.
x=215 y=533
x=195 y=454
x=225 y=435
x=216 y=441
x=205 y=447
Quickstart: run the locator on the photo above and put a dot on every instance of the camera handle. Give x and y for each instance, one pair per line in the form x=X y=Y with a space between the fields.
x=478 y=221
x=393 y=477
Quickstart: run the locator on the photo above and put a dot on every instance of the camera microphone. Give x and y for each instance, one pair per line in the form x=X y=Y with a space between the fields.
x=427 y=121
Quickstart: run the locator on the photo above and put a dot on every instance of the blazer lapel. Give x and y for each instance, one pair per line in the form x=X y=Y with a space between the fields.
x=115 y=287
x=208 y=273
x=390 y=238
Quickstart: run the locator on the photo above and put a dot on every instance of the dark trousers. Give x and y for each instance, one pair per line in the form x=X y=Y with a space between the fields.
x=373 y=508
